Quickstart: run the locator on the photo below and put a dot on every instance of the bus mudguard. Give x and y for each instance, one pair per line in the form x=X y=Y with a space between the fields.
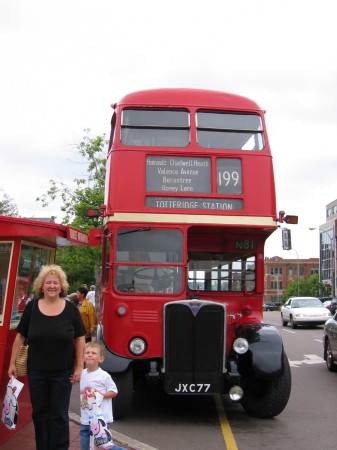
x=112 y=363
x=265 y=349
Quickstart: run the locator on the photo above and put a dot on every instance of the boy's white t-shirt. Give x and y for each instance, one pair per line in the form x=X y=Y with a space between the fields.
x=101 y=381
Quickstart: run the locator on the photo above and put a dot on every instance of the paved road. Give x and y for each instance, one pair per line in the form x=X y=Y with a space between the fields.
x=307 y=423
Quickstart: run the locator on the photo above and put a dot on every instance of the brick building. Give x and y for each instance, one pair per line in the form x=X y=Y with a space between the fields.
x=280 y=272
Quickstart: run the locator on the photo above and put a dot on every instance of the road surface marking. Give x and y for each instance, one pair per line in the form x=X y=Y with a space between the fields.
x=308 y=359
x=225 y=427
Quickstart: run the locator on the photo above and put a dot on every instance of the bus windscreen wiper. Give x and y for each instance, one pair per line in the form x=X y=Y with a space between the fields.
x=135 y=230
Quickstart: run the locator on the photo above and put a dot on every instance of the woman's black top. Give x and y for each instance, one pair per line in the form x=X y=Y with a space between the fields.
x=51 y=339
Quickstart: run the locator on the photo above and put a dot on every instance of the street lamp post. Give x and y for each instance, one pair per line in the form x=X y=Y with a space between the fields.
x=298 y=274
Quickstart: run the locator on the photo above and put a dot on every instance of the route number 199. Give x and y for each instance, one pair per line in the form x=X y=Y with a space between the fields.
x=229 y=176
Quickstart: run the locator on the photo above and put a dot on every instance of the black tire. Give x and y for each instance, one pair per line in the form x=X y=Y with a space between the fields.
x=268 y=398
x=122 y=403
x=284 y=322
x=332 y=367
x=292 y=323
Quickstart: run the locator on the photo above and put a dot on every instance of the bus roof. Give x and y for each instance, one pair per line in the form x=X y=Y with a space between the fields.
x=184 y=97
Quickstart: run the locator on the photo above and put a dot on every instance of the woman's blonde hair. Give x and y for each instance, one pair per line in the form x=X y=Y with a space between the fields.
x=51 y=269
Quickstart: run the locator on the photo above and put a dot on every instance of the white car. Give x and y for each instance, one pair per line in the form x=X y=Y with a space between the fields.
x=327 y=303
x=304 y=311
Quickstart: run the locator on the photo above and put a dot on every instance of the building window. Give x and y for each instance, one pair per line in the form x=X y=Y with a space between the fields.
x=293 y=271
x=276 y=270
x=327 y=255
x=276 y=285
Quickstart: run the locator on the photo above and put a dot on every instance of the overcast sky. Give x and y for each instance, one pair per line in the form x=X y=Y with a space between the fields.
x=64 y=62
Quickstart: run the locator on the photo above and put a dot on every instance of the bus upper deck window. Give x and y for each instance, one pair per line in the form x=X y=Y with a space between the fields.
x=155 y=128
x=229 y=131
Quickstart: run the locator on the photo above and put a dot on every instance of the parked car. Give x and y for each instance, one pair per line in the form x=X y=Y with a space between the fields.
x=330 y=343
x=331 y=305
x=271 y=306
x=304 y=311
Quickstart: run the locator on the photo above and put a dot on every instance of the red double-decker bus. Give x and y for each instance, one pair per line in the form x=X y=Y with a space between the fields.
x=189 y=204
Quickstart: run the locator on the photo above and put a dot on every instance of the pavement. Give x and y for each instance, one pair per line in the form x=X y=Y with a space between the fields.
x=25 y=438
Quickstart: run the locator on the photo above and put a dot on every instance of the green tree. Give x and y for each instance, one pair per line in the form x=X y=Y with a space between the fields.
x=81 y=263
x=308 y=287
x=315 y=287
x=88 y=191
x=7 y=206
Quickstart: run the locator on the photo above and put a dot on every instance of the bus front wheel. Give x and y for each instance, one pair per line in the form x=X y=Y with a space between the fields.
x=122 y=403
x=268 y=398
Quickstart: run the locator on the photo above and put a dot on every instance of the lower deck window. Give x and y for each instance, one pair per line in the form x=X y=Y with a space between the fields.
x=149 y=260
x=149 y=279
x=228 y=272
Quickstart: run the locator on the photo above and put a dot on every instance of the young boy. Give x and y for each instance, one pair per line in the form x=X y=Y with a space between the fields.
x=95 y=383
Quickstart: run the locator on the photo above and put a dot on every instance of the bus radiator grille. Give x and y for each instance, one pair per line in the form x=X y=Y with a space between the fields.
x=194 y=343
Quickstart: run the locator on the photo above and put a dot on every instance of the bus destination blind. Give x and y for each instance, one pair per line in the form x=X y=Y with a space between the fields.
x=183 y=175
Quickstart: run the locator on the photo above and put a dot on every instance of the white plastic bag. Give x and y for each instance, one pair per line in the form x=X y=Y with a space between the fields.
x=10 y=405
x=100 y=435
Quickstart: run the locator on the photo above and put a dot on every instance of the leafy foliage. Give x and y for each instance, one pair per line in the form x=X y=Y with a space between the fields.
x=308 y=287
x=81 y=263
x=7 y=207
x=88 y=191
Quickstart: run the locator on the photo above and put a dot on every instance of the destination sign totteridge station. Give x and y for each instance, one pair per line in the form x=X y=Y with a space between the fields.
x=183 y=175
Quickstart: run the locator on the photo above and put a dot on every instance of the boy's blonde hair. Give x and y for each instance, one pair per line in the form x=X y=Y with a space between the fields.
x=95 y=345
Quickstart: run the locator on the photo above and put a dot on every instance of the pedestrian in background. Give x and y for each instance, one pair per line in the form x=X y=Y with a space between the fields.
x=55 y=335
x=73 y=299
x=88 y=313
x=91 y=294
x=23 y=297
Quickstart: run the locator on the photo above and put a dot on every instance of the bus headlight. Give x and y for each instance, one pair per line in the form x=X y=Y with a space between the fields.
x=137 y=346
x=240 y=346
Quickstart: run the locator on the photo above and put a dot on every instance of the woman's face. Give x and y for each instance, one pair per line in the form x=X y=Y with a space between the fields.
x=51 y=286
x=21 y=290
